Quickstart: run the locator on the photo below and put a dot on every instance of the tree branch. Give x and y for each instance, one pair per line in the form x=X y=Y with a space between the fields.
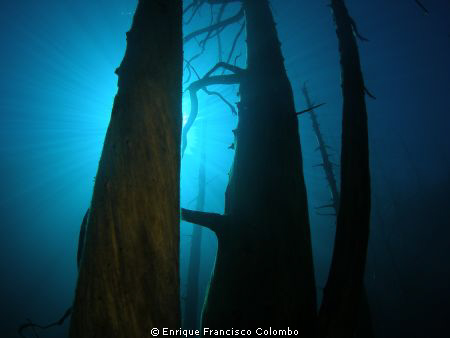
x=220 y=96
x=425 y=11
x=215 y=80
x=219 y=40
x=32 y=325
x=196 y=4
x=226 y=66
x=236 y=38
x=218 y=25
x=355 y=30
x=209 y=92
x=212 y=221
x=309 y=109
x=217 y=2
x=202 y=83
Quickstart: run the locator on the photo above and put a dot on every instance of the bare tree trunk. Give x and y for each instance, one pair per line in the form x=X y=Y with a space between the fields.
x=129 y=280
x=364 y=327
x=343 y=291
x=264 y=273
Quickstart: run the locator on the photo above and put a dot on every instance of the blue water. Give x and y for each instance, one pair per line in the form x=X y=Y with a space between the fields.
x=57 y=85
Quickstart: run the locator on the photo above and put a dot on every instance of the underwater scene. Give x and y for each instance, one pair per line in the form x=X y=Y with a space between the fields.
x=224 y=168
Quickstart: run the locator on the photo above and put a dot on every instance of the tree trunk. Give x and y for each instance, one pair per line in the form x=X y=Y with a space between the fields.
x=191 y=318
x=364 y=326
x=344 y=288
x=129 y=280
x=263 y=274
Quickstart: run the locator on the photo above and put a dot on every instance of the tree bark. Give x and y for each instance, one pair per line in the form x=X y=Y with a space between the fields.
x=128 y=279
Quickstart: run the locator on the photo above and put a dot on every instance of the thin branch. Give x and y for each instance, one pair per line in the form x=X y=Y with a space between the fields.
x=226 y=66
x=230 y=20
x=331 y=205
x=215 y=80
x=190 y=121
x=190 y=69
x=202 y=83
x=236 y=58
x=196 y=55
x=212 y=221
x=209 y=92
x=219 y=40
x=236 y=38
x=209 y=36
x=188 y=7
x=220 y=96
x=425 y=11
x=196 y=4
x=193 y=88
x=217 y=2
x=310 y=109
x=189 y=73
x=369 y=93
x=355 y=30
x=44 y=327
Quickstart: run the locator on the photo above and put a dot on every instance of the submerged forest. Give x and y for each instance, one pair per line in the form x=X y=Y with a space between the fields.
x=236 y=167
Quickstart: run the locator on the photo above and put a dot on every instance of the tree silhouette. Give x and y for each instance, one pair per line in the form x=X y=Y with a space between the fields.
x=128 y=278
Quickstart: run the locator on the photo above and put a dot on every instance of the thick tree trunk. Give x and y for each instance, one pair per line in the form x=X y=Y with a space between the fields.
x=191 y=318
x=263 y=274
x=342 y=293
x=128 y=280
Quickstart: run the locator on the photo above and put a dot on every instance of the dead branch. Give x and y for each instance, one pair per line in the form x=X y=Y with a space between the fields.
x=219 y=40
x=236 y=38
x=212 y=221
x=310 y=109
x=215 y=80
x=195 y=5
x=355 y=30
x=200 y=84
x=425 y=11
x=217 y=2
x=226 y=66
x=32 y=325
x=214 y=27
x=220 y=96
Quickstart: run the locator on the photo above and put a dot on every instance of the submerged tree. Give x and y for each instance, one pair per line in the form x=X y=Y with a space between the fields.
x=344 y=288
x=128 y=278
x=264 y=271
x=364 y=327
